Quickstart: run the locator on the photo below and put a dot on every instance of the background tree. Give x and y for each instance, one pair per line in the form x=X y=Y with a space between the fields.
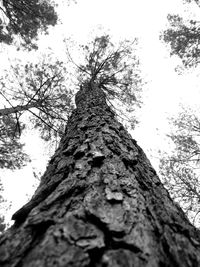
x=183 y=36
x=4 y=207
x=2 y=218
x=25 y=19
x=11 y=150
x=37 y=89
x=180 y=169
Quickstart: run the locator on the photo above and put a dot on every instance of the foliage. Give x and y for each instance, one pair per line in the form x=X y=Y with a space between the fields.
x=115 y=68
x=41 y=87
x=183 y=36
x=2 y=219
x=2 y=225
x=25 y=19
x=35 y=95
x=11 y=149
x=195 y=1
x=180 y=170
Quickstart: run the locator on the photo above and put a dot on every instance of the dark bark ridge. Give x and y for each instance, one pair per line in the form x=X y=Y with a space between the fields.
x=99 y=203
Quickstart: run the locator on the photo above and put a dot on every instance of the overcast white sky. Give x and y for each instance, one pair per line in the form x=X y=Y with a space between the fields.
x=165 y=89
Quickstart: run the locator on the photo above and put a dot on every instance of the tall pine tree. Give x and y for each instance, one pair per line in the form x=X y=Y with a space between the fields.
x=100 y=202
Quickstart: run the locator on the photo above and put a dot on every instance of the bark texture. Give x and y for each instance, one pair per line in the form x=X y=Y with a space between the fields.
x=100 y=203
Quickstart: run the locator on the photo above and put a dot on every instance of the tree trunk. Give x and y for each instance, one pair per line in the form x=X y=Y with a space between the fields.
x=99 y=203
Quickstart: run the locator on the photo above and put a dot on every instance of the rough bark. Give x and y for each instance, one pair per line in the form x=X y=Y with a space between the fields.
x=100 y=203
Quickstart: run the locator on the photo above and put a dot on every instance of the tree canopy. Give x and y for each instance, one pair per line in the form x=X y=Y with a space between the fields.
x=25 y=19
x=183 y=36
x=2 y=218
x=44 y=89
x=116 y=69
x=12 y=155
x=38 y=90
x=180 y=169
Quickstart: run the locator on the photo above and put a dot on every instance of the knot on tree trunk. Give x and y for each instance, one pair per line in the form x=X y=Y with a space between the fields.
x=90 y=95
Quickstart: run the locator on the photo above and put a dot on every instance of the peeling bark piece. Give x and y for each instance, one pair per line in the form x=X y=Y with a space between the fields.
x=113 y=196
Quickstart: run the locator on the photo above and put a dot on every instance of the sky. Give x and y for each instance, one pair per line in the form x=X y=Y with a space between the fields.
x=163 y=92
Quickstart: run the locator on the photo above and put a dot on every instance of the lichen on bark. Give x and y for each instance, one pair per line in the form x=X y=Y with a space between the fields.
x=100 y=203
